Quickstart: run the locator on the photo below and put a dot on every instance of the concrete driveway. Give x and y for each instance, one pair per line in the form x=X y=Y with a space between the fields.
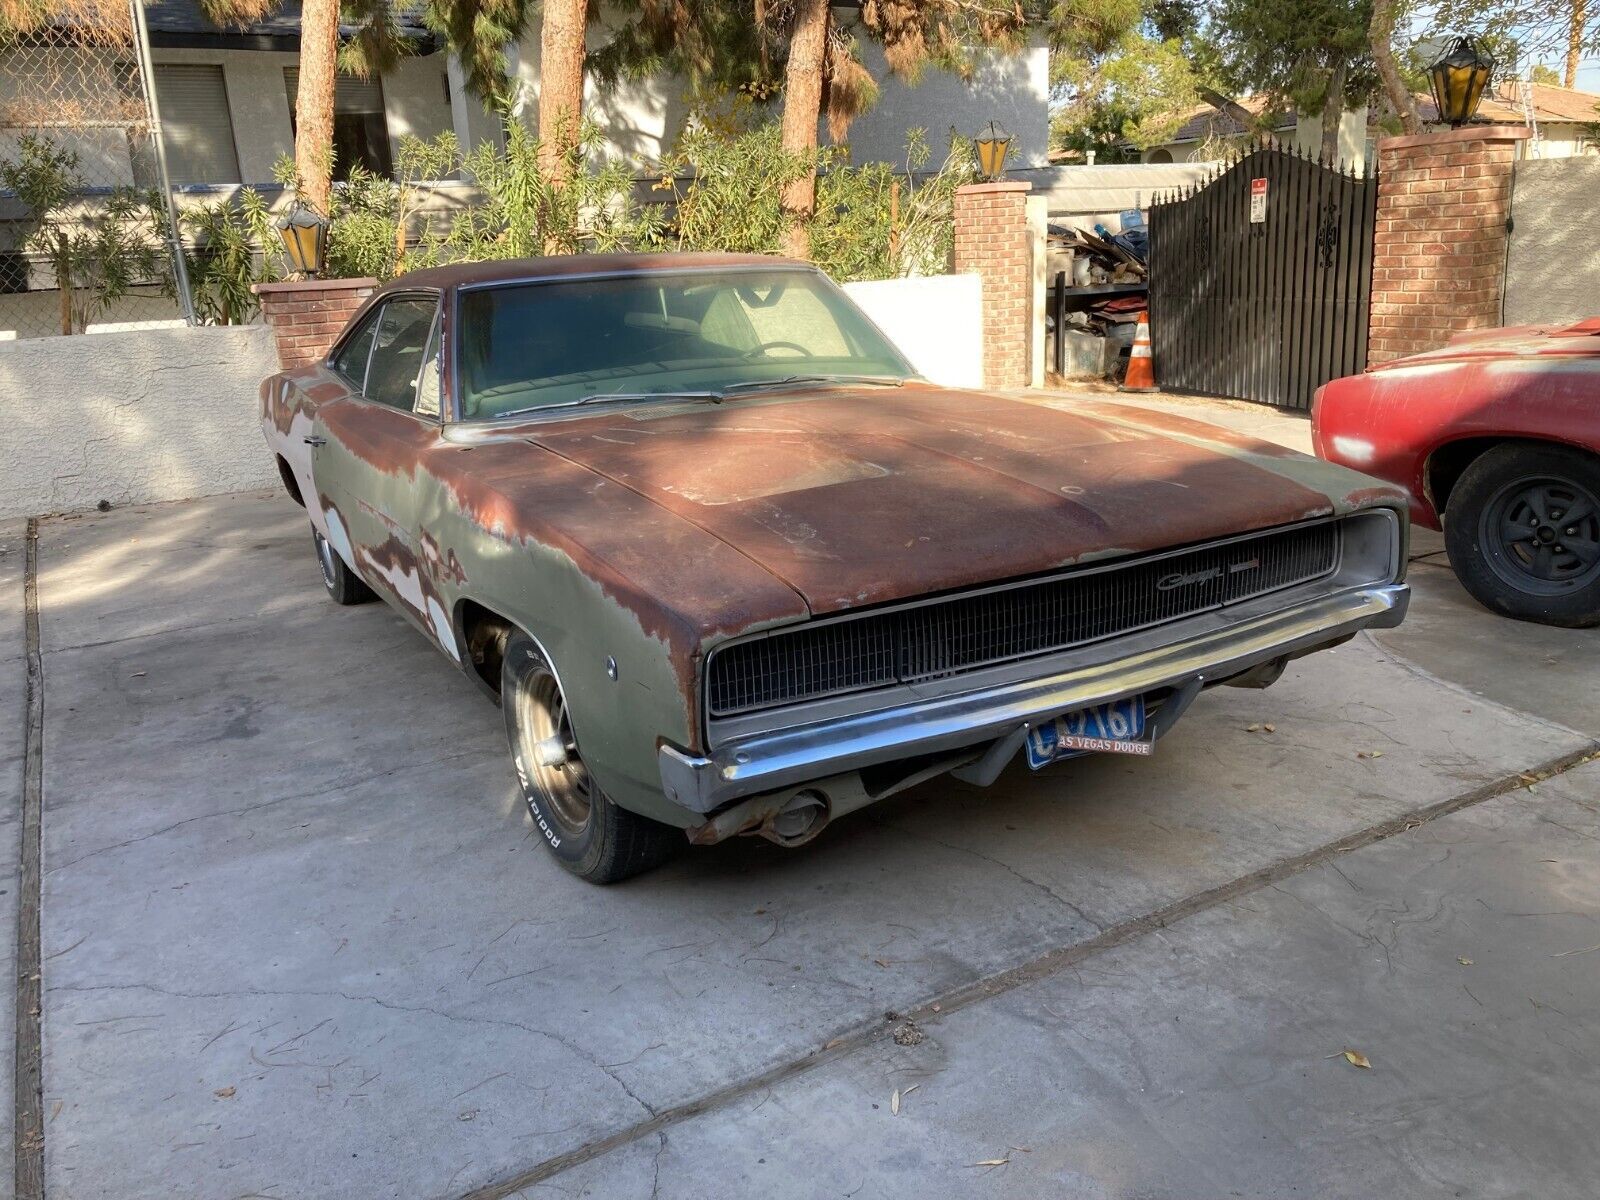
x=298 y=940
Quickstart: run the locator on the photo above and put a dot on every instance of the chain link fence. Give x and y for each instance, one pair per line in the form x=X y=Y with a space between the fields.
x=85 y=221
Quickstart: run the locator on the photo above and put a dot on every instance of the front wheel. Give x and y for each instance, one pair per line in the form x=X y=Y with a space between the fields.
x=1522 y=530
x=588 y=833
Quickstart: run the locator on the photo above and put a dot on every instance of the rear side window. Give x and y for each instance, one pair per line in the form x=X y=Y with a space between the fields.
x=351 y=361
x=402 y=337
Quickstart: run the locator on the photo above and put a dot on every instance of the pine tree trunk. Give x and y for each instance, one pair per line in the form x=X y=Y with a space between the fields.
x=561 y=49
x=802 y=107
x=1381 y=36
x=1333 y=115
x=1580 y=16
x=313 y=102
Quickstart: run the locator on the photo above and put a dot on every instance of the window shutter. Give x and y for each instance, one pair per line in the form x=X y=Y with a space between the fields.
x=197 y=126
x=350 y=95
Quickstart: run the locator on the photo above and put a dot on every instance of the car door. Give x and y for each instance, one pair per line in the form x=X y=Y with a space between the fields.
x=369 y=445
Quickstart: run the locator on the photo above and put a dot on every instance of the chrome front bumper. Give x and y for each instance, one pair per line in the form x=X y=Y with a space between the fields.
x=768 y=762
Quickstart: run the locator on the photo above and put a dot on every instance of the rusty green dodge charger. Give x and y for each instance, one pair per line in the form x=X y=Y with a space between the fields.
x=729 y=565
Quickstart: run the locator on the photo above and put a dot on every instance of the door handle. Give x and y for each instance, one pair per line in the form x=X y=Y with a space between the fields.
x=314 y=440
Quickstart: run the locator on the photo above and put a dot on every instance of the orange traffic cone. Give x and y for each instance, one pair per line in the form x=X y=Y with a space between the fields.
x=1141 y=376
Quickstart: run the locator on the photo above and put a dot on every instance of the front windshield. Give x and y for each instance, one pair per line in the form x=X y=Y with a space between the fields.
x=536 y=345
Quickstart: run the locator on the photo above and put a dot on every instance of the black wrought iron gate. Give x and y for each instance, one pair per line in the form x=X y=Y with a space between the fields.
x=1260 y=290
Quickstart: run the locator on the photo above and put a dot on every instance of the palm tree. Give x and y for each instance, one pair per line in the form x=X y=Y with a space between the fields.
x=823 y=75
x=561 y=53
x=476 y=31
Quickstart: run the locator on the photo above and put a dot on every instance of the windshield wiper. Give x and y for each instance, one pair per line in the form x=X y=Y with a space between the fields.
x=609 y=397
x=791 y=380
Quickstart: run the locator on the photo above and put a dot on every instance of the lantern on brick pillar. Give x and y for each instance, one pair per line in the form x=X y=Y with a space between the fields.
x=1459 y=77
x=990 y=147
x=305 y=240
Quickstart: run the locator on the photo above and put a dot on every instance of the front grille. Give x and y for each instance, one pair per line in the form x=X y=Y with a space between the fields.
x=963 y=633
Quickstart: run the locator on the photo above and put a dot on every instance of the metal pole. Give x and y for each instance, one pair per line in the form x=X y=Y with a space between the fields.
x=147 y=77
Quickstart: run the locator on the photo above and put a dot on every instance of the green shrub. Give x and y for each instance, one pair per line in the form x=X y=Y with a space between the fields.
x=870 y=222
x=99 y=247
x=229 y=256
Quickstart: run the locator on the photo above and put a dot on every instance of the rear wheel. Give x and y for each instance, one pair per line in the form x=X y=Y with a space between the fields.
x=344 y=587
x=588 y=833
x=1523 y=533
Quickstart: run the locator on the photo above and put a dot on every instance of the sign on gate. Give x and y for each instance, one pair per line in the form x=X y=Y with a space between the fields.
x=1258 y=201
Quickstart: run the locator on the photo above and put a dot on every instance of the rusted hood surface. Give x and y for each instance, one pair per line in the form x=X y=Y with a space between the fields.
x=863 y=496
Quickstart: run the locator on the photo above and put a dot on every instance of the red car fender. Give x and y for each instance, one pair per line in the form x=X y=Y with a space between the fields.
x=1522 y=385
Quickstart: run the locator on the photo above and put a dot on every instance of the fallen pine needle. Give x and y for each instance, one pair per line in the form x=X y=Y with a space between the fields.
x=1585 y=950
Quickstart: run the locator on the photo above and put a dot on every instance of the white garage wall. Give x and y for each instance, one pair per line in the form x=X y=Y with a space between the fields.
x=936 y=320
x=131 y=417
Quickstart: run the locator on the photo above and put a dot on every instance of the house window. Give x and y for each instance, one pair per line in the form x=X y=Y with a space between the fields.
x=197 y=128
x=1159 y=156
x=360 y=131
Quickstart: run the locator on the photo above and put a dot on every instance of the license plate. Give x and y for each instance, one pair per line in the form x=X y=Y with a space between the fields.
x=1115 y=728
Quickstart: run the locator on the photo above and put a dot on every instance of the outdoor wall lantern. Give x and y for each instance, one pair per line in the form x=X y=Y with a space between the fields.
x=1459 y=79
x=990 y=147
x=305 y=239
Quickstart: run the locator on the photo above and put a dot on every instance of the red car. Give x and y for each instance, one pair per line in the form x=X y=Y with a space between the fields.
x=1497 y=439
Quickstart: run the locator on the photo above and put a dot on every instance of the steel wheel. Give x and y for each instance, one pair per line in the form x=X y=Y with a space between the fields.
x=548 y=751
x=325 y=560
x=1542 y=535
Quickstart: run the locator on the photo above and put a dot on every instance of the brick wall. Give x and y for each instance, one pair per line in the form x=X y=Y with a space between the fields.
x=1439 y=257
x=992 y=241
x=305 y=317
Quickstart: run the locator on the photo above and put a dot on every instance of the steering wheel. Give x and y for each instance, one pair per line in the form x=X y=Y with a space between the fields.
x=765 y=346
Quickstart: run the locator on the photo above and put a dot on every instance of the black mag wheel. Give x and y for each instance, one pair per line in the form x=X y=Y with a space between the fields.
x=1523 y=533
x=1541 y=534
x=588 y=833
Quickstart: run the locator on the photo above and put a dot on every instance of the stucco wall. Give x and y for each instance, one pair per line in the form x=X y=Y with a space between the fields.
x=641 y=118
x=1553 y=266
x=936 y=321
x=131 y=417
x=414 y=101
x=1012 y=88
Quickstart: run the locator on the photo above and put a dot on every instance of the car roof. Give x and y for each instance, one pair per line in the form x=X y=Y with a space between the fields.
x=556 y=266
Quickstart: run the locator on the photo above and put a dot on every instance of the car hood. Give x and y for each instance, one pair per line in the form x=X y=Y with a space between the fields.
x=1526 y=342
x=860 y=496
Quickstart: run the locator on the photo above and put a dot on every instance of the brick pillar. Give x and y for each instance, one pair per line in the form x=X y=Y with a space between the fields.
x=992 y=241
x=305 y=317
x=1439 y=257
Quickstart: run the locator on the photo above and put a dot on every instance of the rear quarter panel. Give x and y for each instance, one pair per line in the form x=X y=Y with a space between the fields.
x=289 y=402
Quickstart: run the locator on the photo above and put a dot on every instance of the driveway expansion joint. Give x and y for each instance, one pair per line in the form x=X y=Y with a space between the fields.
x=1050 y=963
x=28 y=1118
